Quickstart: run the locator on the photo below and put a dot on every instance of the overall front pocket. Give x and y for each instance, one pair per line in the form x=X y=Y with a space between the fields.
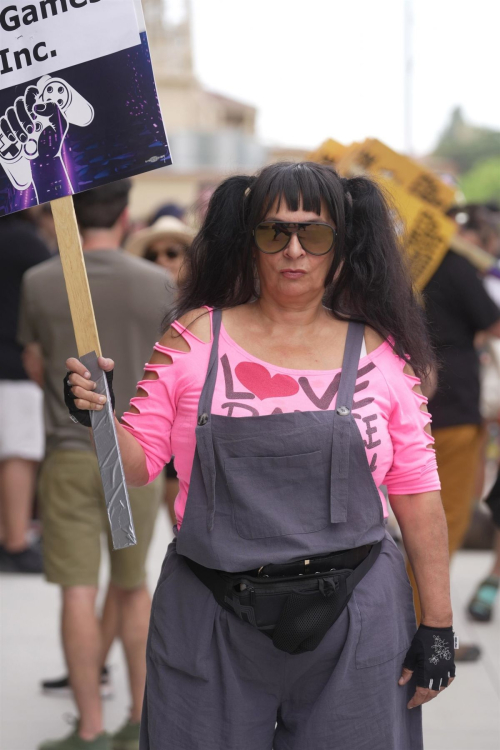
x=279 y=495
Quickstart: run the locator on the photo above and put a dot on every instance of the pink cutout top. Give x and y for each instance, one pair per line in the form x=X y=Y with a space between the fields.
x=385 y=405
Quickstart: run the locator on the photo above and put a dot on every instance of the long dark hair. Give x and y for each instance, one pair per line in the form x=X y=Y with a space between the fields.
x=369 y=278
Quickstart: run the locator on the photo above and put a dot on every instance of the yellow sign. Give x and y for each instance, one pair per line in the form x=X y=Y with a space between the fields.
x=330 y=152
x=426 y=233
x=419 y=198
x=379 y=160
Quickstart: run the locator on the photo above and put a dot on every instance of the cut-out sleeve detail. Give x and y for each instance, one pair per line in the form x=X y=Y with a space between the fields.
x=414 y=467
x=163 y=419
x=151 y=421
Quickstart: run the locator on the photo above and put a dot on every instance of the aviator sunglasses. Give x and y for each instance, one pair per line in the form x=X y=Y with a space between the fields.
x=315 y=238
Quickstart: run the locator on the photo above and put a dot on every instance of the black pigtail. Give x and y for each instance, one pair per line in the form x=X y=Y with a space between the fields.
x=215 y=267
x=375 y=282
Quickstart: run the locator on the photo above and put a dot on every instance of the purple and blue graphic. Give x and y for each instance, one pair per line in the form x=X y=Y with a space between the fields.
x=79 y=128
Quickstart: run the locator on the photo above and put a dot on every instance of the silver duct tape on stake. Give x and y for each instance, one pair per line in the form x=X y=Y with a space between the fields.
x=110 y=461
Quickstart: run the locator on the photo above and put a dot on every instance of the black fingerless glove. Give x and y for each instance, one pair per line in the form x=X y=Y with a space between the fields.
x=82 y=416
x=431 y=656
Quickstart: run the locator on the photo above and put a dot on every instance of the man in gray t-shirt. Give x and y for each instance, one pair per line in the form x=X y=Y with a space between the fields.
x=130 y=297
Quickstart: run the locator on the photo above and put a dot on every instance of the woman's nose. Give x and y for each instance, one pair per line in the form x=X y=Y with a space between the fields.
x=294 y=249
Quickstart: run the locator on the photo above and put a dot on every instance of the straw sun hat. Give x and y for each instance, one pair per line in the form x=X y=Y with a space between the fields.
x=167 y=227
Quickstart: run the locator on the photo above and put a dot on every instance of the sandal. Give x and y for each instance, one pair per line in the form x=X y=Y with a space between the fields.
x=481 y=604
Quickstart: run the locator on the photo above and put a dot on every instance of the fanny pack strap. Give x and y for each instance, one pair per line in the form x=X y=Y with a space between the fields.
x=211 y=579
x=303 y=621
x=362 y=569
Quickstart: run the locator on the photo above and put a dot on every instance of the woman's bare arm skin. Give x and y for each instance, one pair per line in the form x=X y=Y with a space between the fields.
x=425 y=535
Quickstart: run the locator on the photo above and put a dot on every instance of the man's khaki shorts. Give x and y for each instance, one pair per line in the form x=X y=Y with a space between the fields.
x=74 y=517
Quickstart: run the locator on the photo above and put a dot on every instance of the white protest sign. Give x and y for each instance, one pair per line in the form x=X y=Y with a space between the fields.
x=38 y=37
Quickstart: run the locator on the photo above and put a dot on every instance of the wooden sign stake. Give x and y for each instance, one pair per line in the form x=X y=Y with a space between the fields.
x=75 y=276
x=87 y=342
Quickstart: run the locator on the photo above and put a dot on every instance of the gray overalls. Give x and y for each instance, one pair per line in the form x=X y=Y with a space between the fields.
x=272 y=489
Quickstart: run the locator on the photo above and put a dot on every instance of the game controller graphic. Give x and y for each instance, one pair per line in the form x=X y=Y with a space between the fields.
x=36 y=126
x=76 y=109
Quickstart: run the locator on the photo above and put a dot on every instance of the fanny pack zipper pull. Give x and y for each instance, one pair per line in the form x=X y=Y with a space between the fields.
x=327 y=588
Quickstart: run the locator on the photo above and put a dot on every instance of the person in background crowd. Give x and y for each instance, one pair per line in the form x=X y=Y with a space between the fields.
x=165 y=243
x=21 y=403
x=46 y=227
x=458 y=307
x=167 y=209
x=482 y=602
x=128 y=296
x=484 y=613
x=481 y=225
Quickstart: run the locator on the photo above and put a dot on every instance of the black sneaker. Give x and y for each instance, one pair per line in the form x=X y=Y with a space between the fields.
x=29 y=560
x=61 y=687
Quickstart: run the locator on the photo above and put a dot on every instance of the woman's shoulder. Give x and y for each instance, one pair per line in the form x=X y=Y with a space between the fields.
x=186 y=342
x=194 y=327
x=383 y=349
x=380 y=352
x=401 y=381
x=373 y=339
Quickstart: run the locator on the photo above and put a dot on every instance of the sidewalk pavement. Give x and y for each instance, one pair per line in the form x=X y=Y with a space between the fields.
x=466 y=717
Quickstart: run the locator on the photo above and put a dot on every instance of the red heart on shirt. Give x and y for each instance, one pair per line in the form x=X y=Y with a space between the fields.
x=259 y=381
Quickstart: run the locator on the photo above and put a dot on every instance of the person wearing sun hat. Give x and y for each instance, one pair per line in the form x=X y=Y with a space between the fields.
x=164 y=243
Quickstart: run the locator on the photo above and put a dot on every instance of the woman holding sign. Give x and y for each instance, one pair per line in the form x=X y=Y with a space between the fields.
x=288 y=390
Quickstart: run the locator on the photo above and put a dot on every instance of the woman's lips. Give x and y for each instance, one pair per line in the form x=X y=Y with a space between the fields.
x=290 y=273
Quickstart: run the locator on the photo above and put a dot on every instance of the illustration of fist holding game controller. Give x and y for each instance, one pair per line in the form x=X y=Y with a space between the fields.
x=32 y=134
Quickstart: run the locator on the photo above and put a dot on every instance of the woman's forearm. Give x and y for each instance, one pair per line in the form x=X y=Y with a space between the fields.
x=133 y=457
x=425 y=536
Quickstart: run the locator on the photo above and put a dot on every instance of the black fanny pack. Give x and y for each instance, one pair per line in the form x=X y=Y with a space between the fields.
x=295 y=611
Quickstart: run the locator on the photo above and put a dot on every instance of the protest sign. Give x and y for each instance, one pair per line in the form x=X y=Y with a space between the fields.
x=78 y=109
x=330 y=152
x=78 y=101
x=426 y=231
x=377 y=159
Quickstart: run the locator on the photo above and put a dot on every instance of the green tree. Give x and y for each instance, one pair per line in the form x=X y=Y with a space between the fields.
x=467 y=144
x=482 y=183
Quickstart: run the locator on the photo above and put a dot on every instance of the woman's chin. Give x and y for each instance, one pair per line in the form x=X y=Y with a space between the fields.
x=293 y=287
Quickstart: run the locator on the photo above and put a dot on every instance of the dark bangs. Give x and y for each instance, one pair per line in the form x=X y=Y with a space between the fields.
x=302 y=186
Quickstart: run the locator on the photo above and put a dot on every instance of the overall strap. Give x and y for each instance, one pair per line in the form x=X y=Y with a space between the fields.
x=204 y=440
x=350 y=364
x=205 y=402
x=342 y=424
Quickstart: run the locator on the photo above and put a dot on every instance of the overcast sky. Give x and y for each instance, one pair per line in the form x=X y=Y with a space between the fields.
x=335 y=68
